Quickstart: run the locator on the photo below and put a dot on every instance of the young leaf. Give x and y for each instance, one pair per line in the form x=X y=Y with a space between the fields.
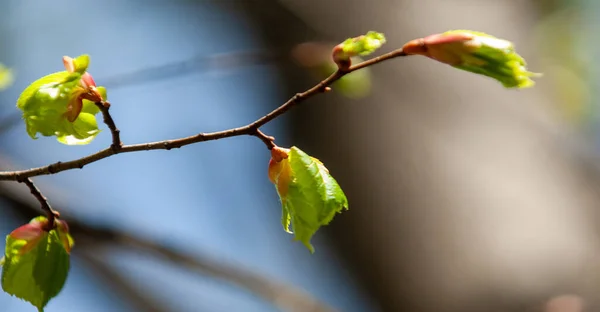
x=62 y=104
x=309 y=195
x=478 y=53
x=316 y=57
x=361 y=45
x=36 y=261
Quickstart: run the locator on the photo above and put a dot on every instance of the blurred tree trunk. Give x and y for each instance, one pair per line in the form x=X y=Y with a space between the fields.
x=462 y=196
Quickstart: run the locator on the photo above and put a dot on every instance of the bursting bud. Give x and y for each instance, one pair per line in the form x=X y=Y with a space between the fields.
x=475 y=52
x=357 y=46
x=39 y=229
x=310 y=196
x=36 y=261
x=316 y=57
x=62 y=104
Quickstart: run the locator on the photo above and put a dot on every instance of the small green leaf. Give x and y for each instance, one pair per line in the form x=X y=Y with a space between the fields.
x=358 y=46
x=363 y=45
x=37 y=273
x=82 y=131
x=310 y=196
x=81 y=63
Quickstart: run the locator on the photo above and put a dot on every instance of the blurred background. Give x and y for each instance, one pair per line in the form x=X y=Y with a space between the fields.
x=464 y=196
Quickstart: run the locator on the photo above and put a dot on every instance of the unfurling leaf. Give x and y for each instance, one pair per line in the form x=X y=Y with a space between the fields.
x=36 y=261
x=310 y=196
x=6 y=77
x=62 y=104
x=316 y=57
x=478 y=53
x=361 y=45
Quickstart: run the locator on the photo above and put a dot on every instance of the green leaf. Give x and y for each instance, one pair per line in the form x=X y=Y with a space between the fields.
x=363 y=45
x=358 y=46
x=38 y=274
x=81 y=63
x=312 y=197
x=46 y=101
x=82 y=131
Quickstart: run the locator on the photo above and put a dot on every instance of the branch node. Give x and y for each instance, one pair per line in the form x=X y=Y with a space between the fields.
x=116 y=145
x=53 y=168
x=268 y=140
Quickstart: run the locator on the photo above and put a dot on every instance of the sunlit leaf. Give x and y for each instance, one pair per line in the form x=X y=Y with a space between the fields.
x=59 y=104
x=309 y=195
x=36 y=262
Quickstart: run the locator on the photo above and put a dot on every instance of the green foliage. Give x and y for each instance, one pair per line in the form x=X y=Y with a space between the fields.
x=36 y=262
x=363 y=45
x=358 y=46
x=6 y=77
x=46 y=103
x=310 y=196
x=478 y=53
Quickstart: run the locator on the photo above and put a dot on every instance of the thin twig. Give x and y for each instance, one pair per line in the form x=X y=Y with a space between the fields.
x=268 y=140
x=51 y=213
x=250 y=129
x=110 y=123
x=90 y=237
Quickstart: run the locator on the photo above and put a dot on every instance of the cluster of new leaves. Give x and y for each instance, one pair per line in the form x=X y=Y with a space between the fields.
x=64 y=104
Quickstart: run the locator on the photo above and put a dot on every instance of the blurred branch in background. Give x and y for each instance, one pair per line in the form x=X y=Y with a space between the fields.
x=200 y=63
x=197 y=64
x=90 y=239
x=140 y=299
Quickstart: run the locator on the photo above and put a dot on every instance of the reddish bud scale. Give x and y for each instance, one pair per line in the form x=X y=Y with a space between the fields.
x=436 y=47
x=63 y=233
x=32 y=233
x=279 y=170
x=341 y=58
x=86 y=91
x=35 y=230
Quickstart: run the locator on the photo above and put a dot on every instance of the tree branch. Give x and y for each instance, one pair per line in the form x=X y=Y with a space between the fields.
x=110 y=123
x=90 y=237
x=250 y=129
x=51 y=213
